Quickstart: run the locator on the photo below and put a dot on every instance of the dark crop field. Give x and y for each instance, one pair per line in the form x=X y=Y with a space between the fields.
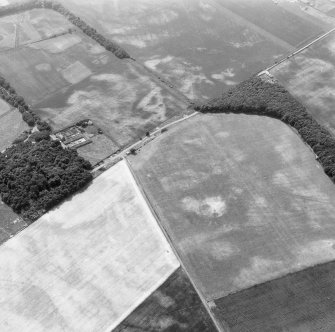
x=173 y=307
x=300 y=302
x=242 y=198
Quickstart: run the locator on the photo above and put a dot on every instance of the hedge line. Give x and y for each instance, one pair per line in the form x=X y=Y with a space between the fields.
x=256 y=96
x=75 y=20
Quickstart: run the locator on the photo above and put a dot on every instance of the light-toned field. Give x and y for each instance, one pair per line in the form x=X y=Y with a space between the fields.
x=87 y=264
x=309 y=77
x=4 y=108
x=11 y=126
x=31 y=26
x=76 y=72
x=242 y=198
x=201 y=46
x=10 y=223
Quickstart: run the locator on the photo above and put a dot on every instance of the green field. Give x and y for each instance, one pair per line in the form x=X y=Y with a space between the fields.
x=300 y=302
x=201 y=46
x=242 y=198
x=308 y=76
x=173 y=307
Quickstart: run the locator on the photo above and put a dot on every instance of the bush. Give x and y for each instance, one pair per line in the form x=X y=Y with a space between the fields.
x=38 y=136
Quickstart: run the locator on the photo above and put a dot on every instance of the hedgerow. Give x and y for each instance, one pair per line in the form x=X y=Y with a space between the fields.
x=256 y=96
x=75 y=20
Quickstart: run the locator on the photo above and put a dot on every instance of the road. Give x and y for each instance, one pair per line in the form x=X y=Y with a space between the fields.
x=141 y=142
x=217 y=324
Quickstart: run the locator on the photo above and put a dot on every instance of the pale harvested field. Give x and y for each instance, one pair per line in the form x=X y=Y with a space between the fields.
x=11 y=126
x=4 y=108
x=309 y=76
x=76 y=72
x=300 y=302
x=242 y=198
x=87 y=264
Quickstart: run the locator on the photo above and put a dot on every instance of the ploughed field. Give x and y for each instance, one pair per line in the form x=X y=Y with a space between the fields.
x=308 y=76
x=87 y=264
x=242 y=198
x=202 y=46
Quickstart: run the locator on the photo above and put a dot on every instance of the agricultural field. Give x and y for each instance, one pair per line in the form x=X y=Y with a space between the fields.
x=100 y=148
x=11 y=125
x=175 y=306
x=302 y=301
x=85 y=265
x=309 y=77
x=10 y=223
x=242 y=198
x=201 y=46
x=70 y=77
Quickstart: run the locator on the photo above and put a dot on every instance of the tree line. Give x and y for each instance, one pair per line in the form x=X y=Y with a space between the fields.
x=256 y=96
x=8 y=93
x=75 y=20
x=36 y=173
x=34 y=177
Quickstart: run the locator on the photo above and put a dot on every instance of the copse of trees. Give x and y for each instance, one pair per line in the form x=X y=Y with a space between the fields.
x=256 y=96
x=34 y=177
x=75 y=20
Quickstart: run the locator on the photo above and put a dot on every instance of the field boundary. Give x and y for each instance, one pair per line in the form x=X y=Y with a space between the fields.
x=275 y=279
x=141 y=142
x=217 y=324
x=267 y=70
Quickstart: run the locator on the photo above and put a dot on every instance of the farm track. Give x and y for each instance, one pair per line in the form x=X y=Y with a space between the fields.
x=217 y=324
